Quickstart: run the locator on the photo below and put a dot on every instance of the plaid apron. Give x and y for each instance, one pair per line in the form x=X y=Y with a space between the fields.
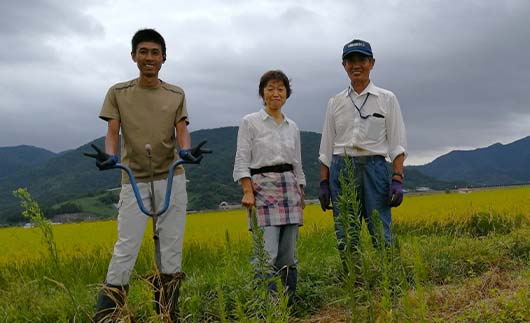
x=278 y=199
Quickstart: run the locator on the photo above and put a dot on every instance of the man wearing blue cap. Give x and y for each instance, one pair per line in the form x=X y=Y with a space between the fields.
x=364 y=123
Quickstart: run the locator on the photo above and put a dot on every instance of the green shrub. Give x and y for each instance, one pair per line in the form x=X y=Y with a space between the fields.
x=483 y=223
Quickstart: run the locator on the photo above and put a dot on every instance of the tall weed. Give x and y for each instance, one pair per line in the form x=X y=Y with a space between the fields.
x=33 y=212
x=374 y=273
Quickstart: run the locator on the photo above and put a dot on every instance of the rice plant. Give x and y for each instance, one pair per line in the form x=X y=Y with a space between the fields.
x=435 y=262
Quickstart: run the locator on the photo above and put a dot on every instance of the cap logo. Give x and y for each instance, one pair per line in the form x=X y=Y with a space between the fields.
x=356 y=44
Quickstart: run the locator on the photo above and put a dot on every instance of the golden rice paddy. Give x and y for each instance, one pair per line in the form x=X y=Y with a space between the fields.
x=22 y=245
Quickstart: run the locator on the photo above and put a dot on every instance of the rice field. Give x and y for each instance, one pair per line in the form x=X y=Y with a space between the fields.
x=216 y=258
x=454 y=207
x=208 y=228
x=20 y=244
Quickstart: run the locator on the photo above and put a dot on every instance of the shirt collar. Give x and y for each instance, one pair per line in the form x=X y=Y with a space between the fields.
x=371 y=88
x=264 y=115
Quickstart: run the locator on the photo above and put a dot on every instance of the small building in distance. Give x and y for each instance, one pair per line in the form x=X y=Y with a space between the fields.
x=225 y=206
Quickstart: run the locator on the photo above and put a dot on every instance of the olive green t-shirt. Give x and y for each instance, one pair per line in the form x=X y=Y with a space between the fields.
x=147 y=116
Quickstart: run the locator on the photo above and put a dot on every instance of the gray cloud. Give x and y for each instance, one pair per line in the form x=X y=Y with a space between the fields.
x=459 y=69
x=45 y=17
x=30 y=26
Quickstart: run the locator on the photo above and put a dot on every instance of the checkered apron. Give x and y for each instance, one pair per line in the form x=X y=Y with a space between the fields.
x=278 y=199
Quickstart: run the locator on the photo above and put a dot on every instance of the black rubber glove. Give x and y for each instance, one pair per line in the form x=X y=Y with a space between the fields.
x=185 y=154
x=104 y=161
x=194 y=154
x=396 y=193
x=324 y=195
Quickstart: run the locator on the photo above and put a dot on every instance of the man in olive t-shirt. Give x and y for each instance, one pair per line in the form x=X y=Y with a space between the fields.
x=148 y=111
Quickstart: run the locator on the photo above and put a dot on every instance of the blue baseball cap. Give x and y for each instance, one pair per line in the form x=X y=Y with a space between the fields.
x=359 y=46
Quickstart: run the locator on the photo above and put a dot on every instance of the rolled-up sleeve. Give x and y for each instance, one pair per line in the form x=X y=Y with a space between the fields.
x=298 y=170
x=328 y=134
x=243 y=152
x=396 y=133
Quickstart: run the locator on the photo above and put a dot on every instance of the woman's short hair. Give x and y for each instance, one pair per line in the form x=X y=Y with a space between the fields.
x=274 y=75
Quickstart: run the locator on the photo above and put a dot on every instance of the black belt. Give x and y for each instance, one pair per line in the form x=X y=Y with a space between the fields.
x=272 y=169
x=362 y=159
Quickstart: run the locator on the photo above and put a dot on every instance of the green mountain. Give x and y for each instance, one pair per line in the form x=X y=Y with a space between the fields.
x=16 y=159
x=70 y=175
x=212 y=182
x=497 y=164
x=65 y=176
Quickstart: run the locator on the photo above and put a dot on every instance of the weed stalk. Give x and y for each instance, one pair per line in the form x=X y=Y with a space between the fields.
x=33 y=212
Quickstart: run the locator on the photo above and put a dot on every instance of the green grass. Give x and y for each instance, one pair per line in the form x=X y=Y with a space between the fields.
x=93 y=205
x=475 y=270
x=47 y=295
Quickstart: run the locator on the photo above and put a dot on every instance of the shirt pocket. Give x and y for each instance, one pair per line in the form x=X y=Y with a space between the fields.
x=262 y=146
x=289 y=144
x=341 y=123
x=375 y=129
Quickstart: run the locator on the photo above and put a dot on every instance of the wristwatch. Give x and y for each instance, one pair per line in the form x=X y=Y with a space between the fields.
x=399 y=175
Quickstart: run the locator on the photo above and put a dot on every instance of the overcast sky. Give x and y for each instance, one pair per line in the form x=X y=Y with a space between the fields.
x=460 y=69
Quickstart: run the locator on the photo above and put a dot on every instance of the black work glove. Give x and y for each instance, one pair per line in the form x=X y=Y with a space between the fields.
x=194 y=154
x=396 y=193
x=104 y=161
x=324 y=195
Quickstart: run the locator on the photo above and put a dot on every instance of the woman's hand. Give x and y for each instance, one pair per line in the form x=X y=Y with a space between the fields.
x=302 y=196
x=248 y=199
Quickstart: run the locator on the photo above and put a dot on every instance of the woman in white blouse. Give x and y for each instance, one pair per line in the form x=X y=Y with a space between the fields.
x=268 y=166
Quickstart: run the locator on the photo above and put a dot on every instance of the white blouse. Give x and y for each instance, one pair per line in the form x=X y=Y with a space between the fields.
x=262 y=142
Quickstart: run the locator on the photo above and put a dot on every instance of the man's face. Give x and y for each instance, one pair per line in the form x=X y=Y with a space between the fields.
x=149 y=58
x=358 y=67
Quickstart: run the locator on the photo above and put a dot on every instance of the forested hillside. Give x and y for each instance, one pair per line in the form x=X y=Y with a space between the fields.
x=68 y=175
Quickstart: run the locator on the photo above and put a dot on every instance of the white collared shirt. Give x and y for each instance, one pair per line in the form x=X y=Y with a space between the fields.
x=345 y=132
x=262 y=142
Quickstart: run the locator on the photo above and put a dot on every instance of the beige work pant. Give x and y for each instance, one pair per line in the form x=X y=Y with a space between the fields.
x=132 y=223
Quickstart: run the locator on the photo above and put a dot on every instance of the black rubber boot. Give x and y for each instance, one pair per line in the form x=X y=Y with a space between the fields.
x=289 y=277
x=167 y=290
x=267 y=279
x=110 y=302
x=271 y=282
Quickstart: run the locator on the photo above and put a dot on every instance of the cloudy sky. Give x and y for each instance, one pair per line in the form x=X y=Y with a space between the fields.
x=460 y=69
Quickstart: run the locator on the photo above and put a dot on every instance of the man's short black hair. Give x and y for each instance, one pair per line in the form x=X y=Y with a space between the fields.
x=149 y=35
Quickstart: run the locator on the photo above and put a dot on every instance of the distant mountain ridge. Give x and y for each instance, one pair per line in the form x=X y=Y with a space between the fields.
x=52 y=178
x=497 y=164
x=17 y=158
